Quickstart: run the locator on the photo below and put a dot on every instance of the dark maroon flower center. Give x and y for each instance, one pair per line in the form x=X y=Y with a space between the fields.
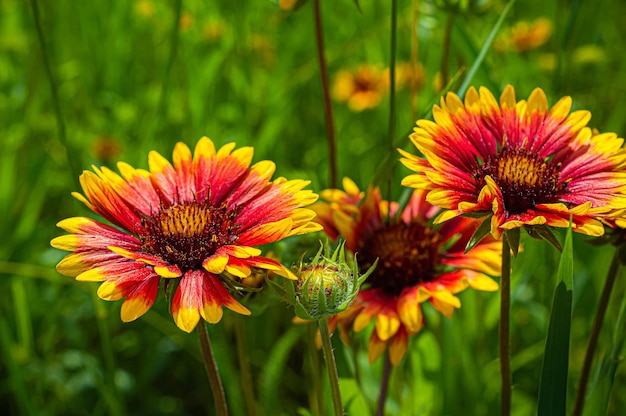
x=407 y=253
x=524 y=178
x=186 y=234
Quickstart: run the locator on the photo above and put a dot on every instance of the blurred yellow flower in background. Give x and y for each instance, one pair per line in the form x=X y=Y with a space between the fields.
x=361 y=89
x=525 y=36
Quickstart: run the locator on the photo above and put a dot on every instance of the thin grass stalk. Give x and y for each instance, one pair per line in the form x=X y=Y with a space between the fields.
x=245 y=375
x=595 y=332
x=328 y=105
x=221 y=408
x=445 y=56
x=483 y=51
x=504 y=329
x=391 y=128
x=414 y=58
x=161 y=110
x=384 y=385
x=331 y=367
x=71 y=161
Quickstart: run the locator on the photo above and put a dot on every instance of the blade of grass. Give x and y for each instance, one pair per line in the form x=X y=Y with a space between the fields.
x=553 y=384
x=71 y=162
x=483 y=52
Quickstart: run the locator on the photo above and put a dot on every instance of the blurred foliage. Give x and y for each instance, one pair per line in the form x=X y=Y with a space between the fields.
x=131 y=77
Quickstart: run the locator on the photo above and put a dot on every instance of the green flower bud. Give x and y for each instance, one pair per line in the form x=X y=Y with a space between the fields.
x=325 y=286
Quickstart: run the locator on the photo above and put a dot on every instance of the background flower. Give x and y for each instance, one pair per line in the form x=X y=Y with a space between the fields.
x=361 y=89
x=417 y=263
x=190 y=223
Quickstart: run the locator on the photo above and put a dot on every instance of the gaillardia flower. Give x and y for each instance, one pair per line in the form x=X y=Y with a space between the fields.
x=196 y=223
x=416 y=263
x=521 y=163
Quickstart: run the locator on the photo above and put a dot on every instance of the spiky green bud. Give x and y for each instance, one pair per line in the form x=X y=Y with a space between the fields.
x=325 y=286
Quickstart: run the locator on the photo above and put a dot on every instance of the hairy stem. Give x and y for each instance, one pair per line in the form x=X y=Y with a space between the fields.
x=221 y=408
x=331 y=367
x=505 y=312
x=384 y=386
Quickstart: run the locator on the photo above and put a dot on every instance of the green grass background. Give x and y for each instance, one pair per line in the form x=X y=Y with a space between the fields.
x=247 y=72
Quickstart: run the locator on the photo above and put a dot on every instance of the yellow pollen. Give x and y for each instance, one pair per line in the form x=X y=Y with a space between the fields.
x=521 y=169
x=184 y=220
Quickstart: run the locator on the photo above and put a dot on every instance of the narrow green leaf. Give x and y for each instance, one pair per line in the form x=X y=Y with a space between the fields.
x=513 y=236
x=483 y=52
x=481 y=232
x=542 y=232
x=477 y=214
x=553 y=385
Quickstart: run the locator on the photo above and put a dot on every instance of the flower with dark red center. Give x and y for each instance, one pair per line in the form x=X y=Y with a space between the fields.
x=194 y=223
x=417 y=262
x=518 y=162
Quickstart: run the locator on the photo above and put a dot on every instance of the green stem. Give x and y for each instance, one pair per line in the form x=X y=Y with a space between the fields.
x=161 y=111
x=244 y=370
x=384 y=386
x=595 y=332
x=391 y=132
x=210 y=365
x=328 y=106
x=446 y=50
x=71 y=161
x=331 y=367
x=414 y=49
x=316 y=397
x=505 y=312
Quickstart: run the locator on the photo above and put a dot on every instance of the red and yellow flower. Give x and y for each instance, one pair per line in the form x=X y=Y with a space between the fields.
x=196 y=224
x=417 y=263
x=519 y=162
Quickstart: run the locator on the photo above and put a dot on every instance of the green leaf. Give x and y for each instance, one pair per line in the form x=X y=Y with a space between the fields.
x=542 y=232
x=553 y=384
x=483 y=52
x=481 y=232
x=513 y=236
x=476 y=214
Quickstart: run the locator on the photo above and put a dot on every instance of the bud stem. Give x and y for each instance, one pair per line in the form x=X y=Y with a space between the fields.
x=331 y=367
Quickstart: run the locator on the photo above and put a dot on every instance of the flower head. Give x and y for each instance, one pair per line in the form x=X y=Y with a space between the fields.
x=361 y=89
x=196 y=223
x=519 y=162
x=416 y=263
